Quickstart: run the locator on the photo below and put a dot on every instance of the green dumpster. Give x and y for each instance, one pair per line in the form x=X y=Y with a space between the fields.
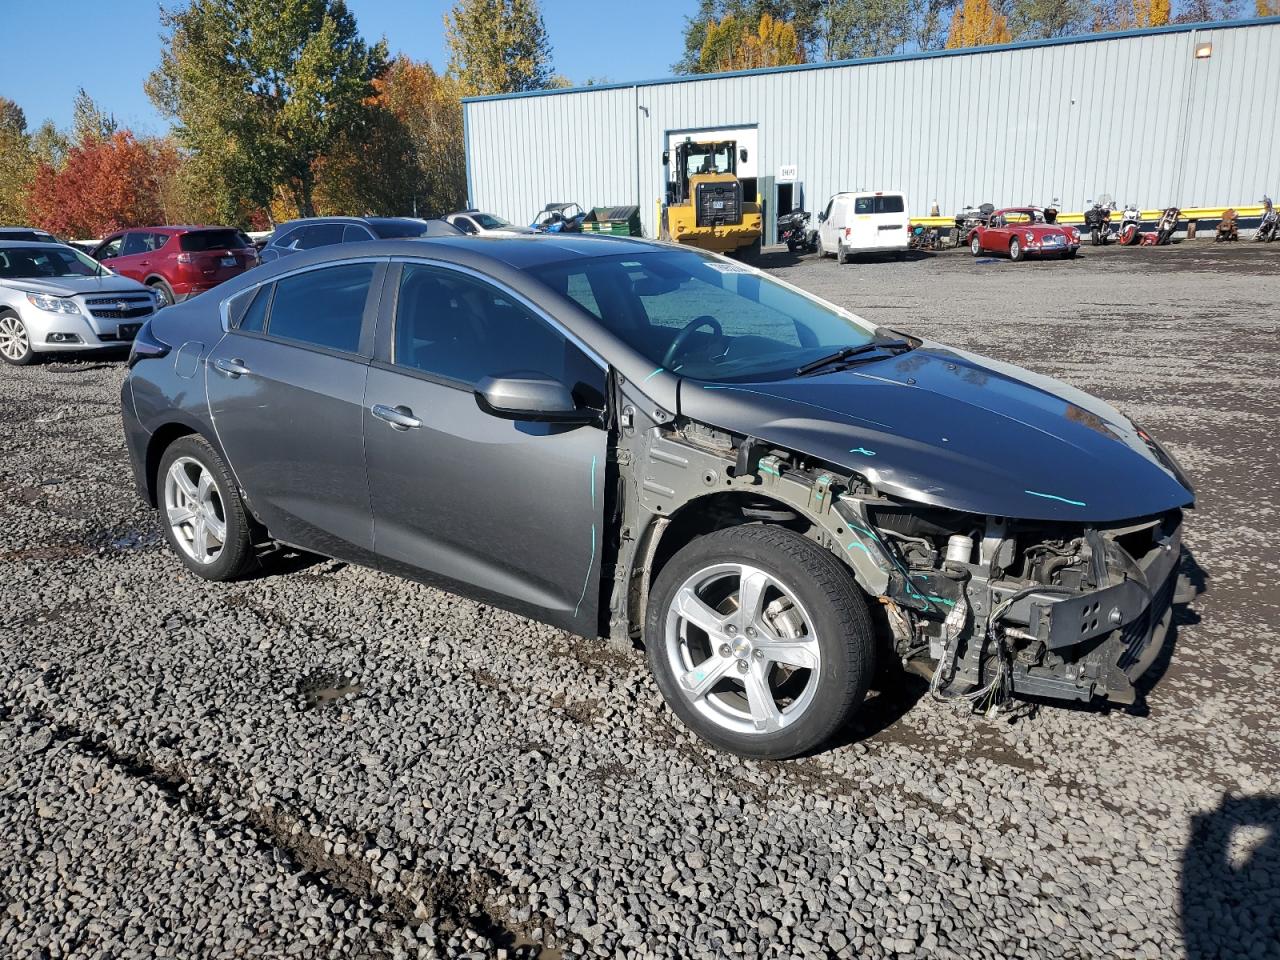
x=615 y=221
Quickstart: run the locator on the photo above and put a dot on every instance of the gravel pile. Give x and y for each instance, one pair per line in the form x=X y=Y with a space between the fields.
x=328 y=762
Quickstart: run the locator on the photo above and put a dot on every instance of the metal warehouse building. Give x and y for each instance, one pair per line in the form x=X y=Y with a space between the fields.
x=1183 y=115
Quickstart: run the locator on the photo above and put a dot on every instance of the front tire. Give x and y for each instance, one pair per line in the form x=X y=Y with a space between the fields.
x=1015 y=250
x=760 y=641
x=15 y=341
x=203 y=517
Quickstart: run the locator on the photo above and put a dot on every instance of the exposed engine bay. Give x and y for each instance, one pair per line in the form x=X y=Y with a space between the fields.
x=991 y=608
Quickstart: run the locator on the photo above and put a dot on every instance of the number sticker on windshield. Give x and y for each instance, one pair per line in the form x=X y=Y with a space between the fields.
x=730 y=267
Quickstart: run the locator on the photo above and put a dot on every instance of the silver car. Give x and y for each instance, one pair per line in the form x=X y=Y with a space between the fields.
x=55 y=298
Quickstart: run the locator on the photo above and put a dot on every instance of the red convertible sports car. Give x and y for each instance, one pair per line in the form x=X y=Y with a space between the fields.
x=1023 y=232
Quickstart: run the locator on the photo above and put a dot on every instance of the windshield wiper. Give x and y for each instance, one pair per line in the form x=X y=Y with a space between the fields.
x=846 y=353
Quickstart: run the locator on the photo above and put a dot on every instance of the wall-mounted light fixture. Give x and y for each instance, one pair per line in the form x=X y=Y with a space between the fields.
x=1204 y=51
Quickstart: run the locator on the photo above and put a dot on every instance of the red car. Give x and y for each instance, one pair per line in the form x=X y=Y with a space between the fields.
x=177 y=262
x=1023 y=232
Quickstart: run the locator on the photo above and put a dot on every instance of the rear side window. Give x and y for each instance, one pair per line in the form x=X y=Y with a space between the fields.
x=353 y=234
x=885 y=203
x=249 y=310
x=323 y=307
x=198 y=241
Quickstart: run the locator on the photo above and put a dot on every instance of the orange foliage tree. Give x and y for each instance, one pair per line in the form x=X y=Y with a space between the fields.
x=103 y=185
x=1268 y=8
x=976 y=24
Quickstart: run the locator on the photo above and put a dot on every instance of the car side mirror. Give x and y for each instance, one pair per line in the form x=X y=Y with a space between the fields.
x=530 y=397
x=666 y=157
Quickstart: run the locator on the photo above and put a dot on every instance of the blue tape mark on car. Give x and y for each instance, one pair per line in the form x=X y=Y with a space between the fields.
x=593 y=483
x=590 y=565
x=1054 y=496
x=652 y=375
x=864 y=451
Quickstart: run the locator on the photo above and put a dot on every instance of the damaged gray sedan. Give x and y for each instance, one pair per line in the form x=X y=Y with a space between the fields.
x=658 y=445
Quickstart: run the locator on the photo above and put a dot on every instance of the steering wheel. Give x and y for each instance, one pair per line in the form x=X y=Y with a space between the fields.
x=682 y=338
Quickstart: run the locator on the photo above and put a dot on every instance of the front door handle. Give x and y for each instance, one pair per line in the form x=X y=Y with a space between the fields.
x=232 y=368
x=400 y=418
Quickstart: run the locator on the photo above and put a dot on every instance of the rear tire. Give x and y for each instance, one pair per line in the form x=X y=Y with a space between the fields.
x=203 y=518
x=841 y=256
x=164 y=294
x=15 y=341
x=807 y=641
x=975 y=245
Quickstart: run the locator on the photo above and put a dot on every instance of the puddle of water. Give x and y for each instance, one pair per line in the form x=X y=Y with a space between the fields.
x=321 y=688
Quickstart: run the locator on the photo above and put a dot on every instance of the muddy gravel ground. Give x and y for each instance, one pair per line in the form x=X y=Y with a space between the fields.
x=324 y=761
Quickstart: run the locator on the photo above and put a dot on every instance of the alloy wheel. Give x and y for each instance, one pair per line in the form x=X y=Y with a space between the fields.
x=194 y=510
x=742 y=648
x=14 y=343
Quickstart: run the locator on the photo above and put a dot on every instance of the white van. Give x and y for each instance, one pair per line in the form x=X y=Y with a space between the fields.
x=856 y=223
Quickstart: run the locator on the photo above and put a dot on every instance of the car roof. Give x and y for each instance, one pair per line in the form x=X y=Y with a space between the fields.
x=519 y=252
x=1017 y=210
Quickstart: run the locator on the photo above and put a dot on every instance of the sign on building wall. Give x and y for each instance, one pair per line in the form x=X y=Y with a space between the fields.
x=788 y=173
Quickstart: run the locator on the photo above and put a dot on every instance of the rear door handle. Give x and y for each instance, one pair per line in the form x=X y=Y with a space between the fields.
x=400 y=418
x=232 y=368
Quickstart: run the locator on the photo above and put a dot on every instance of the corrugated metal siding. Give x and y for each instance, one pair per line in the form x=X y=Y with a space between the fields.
x=1136 y=117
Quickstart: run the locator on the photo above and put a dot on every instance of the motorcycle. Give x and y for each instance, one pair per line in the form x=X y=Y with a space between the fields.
x=1167 y=225
x=1098 y=219
x=1051 y=212
x=968 y=219
x=793 y=230
x=1228 y=228
x=1130 y=226
x=1269 y=226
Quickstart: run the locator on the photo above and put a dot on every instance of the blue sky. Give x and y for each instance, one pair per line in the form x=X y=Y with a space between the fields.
x=109 y=48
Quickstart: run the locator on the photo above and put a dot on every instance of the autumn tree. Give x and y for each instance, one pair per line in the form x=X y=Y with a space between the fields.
x=976 y=24
x=1268 y=8
x=736 y=44
x=104 y=185
x=262 y=90
x=804 y=16
x=16 y=162
x=88 y=121
x=498 y=46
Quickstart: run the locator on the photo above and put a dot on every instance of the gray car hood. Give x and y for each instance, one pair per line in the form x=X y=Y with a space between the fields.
x=946 y=428
x=70 y=286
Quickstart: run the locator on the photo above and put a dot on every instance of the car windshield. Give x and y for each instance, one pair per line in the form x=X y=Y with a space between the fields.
x=703 y=317
x=394 y=229
x=42 y=263
x=489 y=221
x=201 y=240
x=1023 y=216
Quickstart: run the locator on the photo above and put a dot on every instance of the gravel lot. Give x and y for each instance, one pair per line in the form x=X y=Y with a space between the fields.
x=328 y=762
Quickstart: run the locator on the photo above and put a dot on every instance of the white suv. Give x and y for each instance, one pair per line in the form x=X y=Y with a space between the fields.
x=54 y=298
